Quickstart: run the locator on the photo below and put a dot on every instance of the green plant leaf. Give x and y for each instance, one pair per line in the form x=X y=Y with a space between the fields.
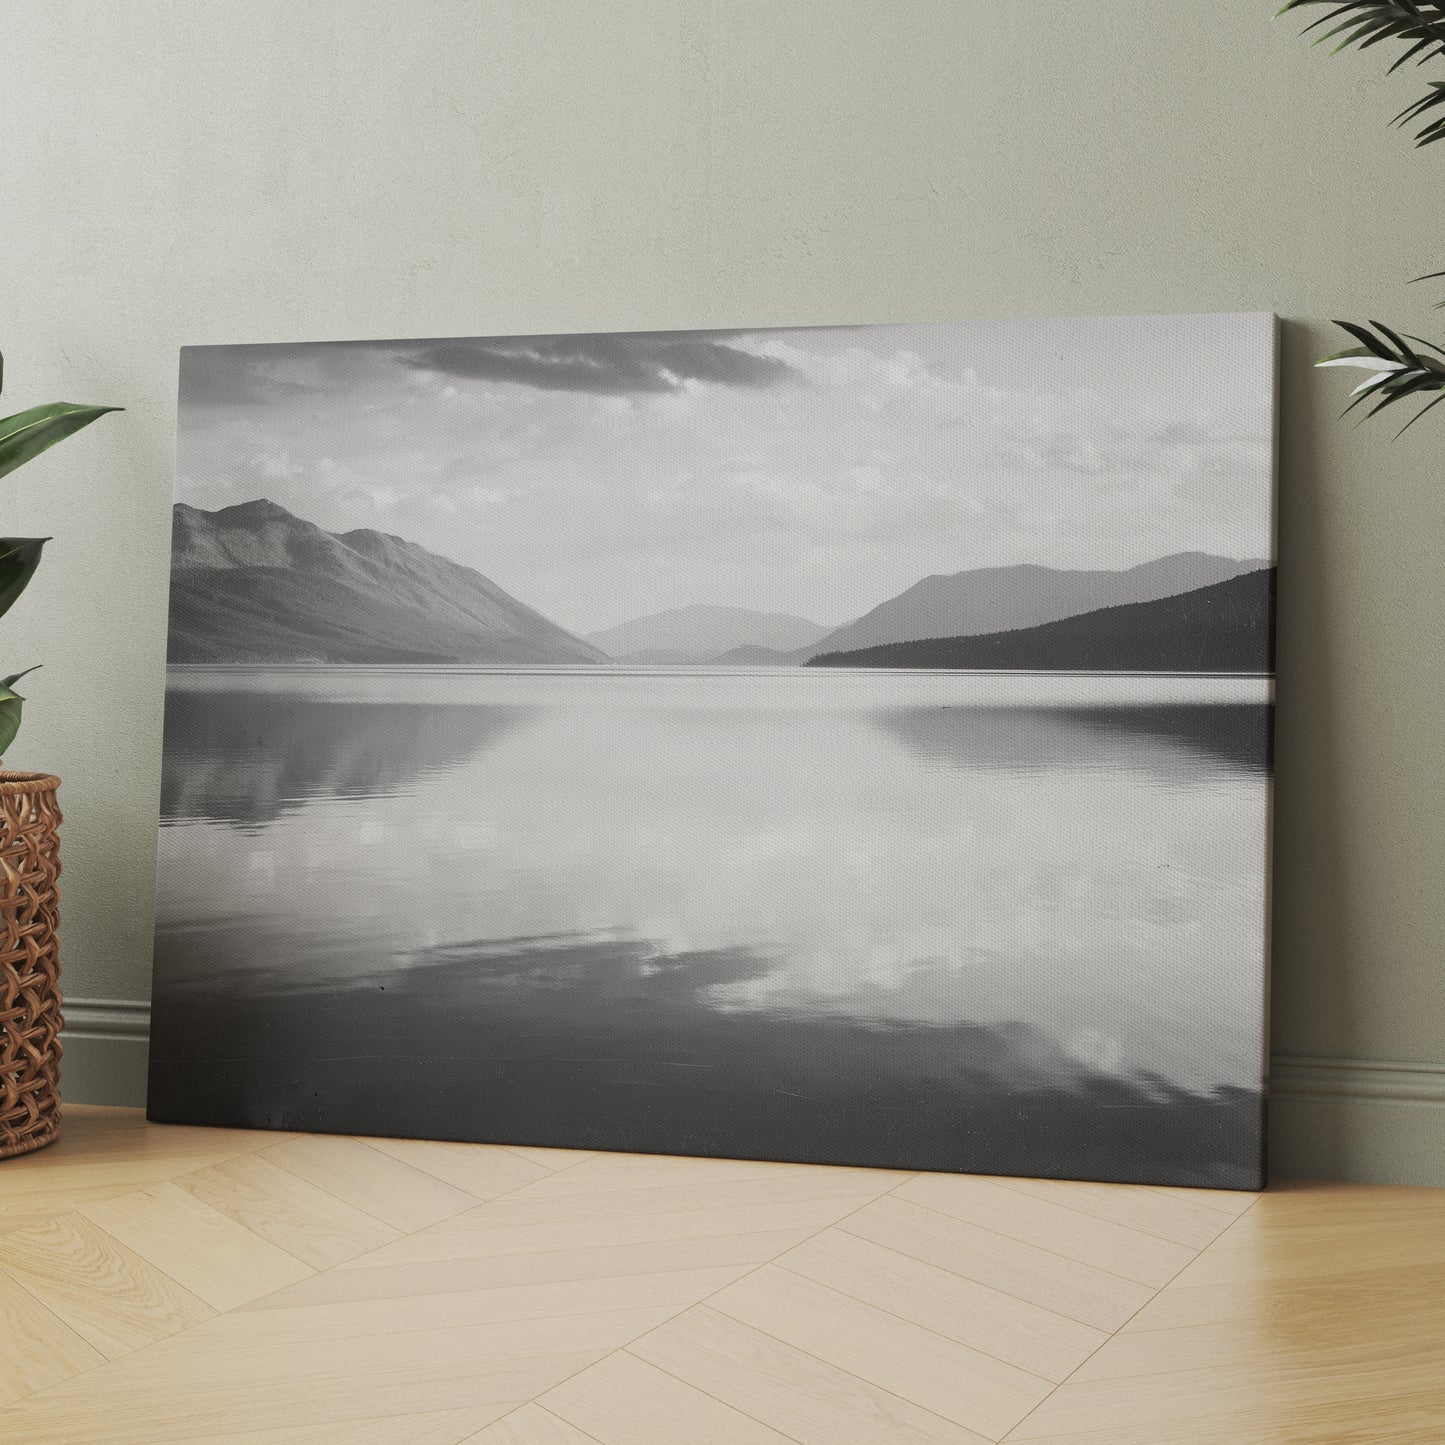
x=28 y=433
x=19 y=557
x=1420 y=24
x=1400 y=372
x=10 y=705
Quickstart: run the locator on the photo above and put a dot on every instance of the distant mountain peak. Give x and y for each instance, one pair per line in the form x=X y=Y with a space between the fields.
x=985 y=600
x=262 y=509
x=1225 y=626
x=255 y=583
x=701 y=631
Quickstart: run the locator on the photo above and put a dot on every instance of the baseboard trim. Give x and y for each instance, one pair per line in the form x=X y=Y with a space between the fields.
x=1300 y=1076
x=107 y=1018
x=1364 y=1119
x=1372 y=1120
x=105 y=1044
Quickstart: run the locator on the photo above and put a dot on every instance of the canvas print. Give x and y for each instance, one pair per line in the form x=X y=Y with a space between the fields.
x=844 y=744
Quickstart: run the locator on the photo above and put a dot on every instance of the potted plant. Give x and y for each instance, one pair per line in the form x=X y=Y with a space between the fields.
x=1401 y=366
x=29 y=847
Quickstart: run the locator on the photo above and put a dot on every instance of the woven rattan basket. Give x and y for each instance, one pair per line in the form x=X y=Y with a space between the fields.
x=29 y=962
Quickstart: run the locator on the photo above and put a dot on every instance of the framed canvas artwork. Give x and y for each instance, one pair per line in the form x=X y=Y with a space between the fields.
x=845 y=744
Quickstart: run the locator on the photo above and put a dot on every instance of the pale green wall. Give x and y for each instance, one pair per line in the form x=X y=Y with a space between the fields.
x=179 y=171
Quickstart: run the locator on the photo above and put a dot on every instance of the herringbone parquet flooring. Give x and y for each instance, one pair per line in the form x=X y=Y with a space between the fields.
x=173 y=1284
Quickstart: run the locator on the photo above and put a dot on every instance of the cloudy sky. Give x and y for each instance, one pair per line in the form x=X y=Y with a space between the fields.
x=816 y=472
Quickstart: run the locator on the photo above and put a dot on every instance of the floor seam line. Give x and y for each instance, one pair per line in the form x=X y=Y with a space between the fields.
x=537 y=1401
x=763 y=1264
x=894 y=1315
x=694 y=1304
x=1114 y=1334
x=1043 y=1249
x=872 y=1385
x=944 y=1269
x=401 y=1234
x=1228 y=1219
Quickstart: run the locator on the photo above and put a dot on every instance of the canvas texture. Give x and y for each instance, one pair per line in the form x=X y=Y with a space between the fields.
x=848 y=744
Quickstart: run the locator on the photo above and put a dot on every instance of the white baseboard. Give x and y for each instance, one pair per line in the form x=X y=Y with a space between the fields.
x=1362 y=1119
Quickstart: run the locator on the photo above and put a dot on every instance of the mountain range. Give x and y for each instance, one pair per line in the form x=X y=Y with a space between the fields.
x=253 y=583
x=701 y=633
x=1004 y=599
x=1224 y=627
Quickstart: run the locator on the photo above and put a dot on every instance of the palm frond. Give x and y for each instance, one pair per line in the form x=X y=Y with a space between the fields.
x=1398 y=371
x=1419 y=24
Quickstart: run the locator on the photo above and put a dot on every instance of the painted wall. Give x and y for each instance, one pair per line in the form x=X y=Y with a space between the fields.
x=182 y=171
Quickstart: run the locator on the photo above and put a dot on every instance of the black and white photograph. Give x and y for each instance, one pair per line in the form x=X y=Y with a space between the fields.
x=846 y=745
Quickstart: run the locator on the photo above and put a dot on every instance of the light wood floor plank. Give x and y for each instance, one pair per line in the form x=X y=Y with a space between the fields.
x=106 y=1293
x=548 y=1158
x=60 y=1190
x=434 y=1427
x=1227 y=1201
x=1154 y=1211
x=605 y=1172
x=309 y=1223
x=502 y=1295
x=1307 y=1202
x=1272 y=1389
x=622 y=1400
x=97 y=1133
x=668 y=1292
x=1013 y=1330
x=1341 y=1344
x=1414 y=1419
x=796 y=1393
x=204 y=1362
x=961 y=1384
x=371 y=1180
x=531 y=1425
x=208 y=1253
x=481 y=1170
x=161 y=1415
x=37 y=1347
x=1250 y=1253
x=382 y=1281
x=796 y=1187
x=1088 y=1238
x=479 y=1235
x=1040 y=1276
x=1403 y=1290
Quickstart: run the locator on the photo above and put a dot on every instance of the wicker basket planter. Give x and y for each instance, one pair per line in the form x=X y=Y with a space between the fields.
x=29 y=962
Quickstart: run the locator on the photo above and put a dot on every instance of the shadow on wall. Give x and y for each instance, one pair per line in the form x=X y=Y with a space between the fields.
x=1314 y=993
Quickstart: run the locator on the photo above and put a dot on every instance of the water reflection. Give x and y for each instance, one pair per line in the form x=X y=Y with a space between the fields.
x=783 y=919
x=1181 y=742
x=611 y=1043
x=244 y=758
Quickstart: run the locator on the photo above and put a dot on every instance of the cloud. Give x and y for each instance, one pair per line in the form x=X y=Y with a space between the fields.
x=804 y=471
x=264 y=375
x=616 y=365
x=1091 y=447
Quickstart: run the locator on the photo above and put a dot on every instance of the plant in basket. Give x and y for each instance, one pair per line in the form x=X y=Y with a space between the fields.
x=29 y=847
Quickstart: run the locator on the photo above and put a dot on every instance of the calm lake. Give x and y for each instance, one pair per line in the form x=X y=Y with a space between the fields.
x=996 y=922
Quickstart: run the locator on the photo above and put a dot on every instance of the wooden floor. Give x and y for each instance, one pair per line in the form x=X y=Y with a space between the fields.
x=167 y=1284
